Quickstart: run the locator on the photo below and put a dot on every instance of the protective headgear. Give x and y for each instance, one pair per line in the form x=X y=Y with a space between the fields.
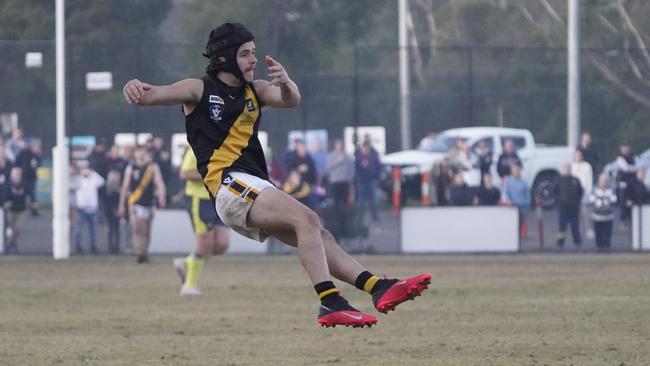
x=222 y=48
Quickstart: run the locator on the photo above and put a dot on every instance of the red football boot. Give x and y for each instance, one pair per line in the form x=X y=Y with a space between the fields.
x=339 y=312
x=388 y=298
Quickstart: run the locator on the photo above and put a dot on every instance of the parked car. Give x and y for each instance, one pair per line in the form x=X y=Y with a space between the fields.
x=541 y=163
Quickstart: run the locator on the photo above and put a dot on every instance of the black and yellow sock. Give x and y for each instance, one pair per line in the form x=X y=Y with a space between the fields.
x=370 y=283
x=326 y=291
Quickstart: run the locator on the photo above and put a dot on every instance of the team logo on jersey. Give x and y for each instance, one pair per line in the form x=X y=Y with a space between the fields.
x=217 y=106
x=249 y=105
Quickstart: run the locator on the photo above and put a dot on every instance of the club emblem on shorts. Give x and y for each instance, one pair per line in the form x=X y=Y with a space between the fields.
x=249 y=105
x=216 y=107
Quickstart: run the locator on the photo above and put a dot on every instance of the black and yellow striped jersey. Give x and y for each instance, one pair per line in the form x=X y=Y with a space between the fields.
x=142 y=184
x=222 y=131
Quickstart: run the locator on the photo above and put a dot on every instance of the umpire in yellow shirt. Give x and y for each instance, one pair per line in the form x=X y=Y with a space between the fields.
x=212 y=236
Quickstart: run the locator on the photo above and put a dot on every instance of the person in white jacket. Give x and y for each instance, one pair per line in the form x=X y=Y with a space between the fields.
x=86 y=186
x=582 y=170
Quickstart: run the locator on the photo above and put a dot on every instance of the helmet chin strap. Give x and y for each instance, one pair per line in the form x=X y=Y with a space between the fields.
x=238 y=77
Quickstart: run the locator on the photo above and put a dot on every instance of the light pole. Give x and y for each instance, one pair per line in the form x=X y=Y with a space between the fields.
x=573 y=78
x=404 y=76
x=60 y=184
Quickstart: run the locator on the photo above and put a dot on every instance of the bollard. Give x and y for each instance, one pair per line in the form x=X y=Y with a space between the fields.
x=540 y=221
x=397 y=189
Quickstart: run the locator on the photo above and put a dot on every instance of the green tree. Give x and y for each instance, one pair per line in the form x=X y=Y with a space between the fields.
x=101 y=35
x=307 y=36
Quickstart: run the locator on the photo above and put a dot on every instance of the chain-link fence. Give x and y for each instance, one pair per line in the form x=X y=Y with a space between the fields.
x=450 y=87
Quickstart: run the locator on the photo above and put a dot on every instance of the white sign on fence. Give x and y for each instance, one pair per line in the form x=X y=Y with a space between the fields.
x=102 y=80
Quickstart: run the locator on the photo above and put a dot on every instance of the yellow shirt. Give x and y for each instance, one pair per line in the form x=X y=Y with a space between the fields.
x=193 y=188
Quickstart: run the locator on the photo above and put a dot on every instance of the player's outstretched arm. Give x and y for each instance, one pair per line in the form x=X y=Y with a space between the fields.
x=281 y=91
x=186 y=91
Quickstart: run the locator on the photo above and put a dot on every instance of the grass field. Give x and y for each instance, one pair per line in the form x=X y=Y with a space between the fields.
x=480 y=310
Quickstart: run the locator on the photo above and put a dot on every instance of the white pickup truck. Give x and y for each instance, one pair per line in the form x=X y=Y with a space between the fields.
x=542 y=164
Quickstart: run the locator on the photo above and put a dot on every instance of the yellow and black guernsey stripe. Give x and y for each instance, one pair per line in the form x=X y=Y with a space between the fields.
x=222 y=131
x=142 y=187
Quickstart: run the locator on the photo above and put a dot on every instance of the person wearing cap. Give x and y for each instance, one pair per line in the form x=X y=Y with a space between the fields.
x=222 y=112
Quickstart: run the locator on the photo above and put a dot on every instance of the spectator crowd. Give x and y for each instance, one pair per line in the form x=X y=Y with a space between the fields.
x=122 y=185
x=586 y=194
x=20 y=159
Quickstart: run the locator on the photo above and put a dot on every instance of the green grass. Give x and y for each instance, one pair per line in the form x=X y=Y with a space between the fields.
x=480 y=310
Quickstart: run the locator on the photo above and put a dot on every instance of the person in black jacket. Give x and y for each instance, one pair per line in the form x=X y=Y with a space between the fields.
x=569 y=193
x=488 y=194
x=626 y=165
x=367 y=173
x=29 y=159
x=443 y=183
x=111 y=205
x=507 y=159
x=589 y=154
x=484 y=155
x=636 y=193
x=300 y=159
x=5 y=172
x=14 y=206
x=461 y=194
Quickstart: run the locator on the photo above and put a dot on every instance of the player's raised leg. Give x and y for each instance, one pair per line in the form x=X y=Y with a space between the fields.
x=386 y=293
x=302 y=224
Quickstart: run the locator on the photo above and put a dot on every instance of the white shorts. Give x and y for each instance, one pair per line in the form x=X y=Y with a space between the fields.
x=234 y=200
x=142 y=212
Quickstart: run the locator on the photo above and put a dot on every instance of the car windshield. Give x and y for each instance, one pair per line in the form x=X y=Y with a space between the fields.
x=441 y=144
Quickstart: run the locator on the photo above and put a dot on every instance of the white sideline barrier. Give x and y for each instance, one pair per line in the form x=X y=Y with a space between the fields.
x=171 y=233
x=641 y=227
x=2 y=230
x=459 y=229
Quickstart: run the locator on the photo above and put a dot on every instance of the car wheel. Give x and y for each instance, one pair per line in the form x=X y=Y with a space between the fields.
x=544 y=189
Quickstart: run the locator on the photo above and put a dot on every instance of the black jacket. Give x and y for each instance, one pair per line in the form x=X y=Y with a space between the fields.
x=461 y=195
x=505 y=161
x=488 y=197
x=636 y=192
x=15 y=197
x=590 y=156
x=569 y=191
x=29 y=162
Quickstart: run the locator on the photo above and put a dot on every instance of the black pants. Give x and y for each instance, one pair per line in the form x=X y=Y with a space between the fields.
x=569 y=215
x=603 y=234
x=340 y=192
x=113 y=234
x=30 y=191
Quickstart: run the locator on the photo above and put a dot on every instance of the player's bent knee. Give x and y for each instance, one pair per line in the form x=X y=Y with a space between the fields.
x=219 y=248
x=311 y=219
x=326 y=235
